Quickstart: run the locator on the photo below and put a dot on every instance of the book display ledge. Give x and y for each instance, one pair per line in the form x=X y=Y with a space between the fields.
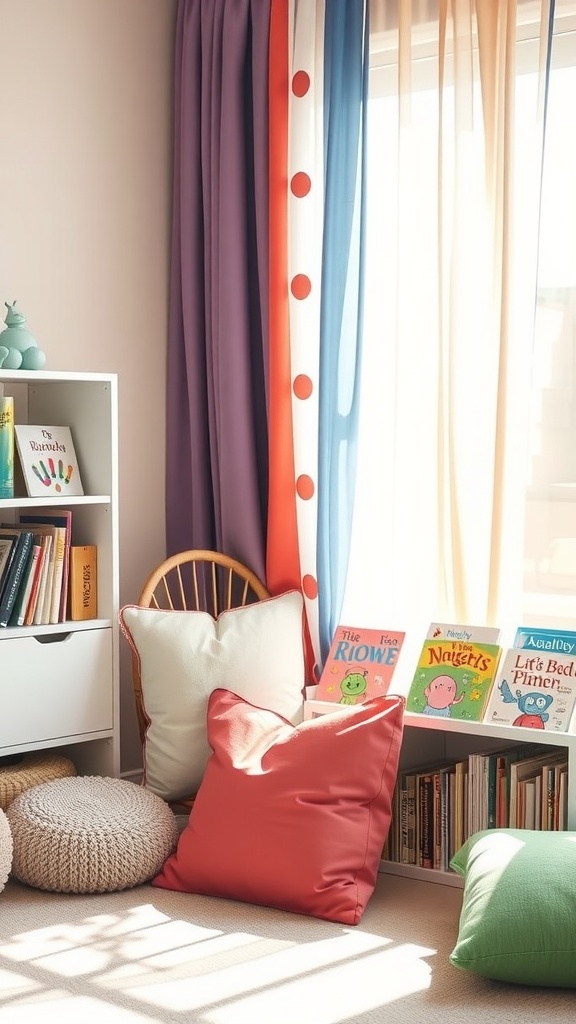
x=429 y=740
x=59 y=681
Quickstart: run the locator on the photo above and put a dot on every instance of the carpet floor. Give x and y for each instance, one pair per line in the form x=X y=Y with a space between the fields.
x=150 y=956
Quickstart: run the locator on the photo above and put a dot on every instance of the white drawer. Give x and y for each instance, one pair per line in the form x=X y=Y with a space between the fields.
x=56 y=689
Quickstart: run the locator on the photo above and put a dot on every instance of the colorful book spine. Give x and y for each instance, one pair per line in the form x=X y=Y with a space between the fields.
x=83 y=582
x=60 y=517
x=22 y=598
x=10 y=592
x=47 y=601
x=437 y=819
x=425 y=820
x=6 y=446
x=7 y=546
x=40 y=597
x=58 y=575
x=407 y=818
x=33 y=597
x=446 y=779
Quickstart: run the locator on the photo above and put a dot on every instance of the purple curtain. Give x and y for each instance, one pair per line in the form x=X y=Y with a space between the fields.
x=217 y=437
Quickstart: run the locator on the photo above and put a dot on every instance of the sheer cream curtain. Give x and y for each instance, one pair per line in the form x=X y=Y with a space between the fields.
x=455 y=140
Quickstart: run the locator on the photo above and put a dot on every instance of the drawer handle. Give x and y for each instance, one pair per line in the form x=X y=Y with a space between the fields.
x=52 y=638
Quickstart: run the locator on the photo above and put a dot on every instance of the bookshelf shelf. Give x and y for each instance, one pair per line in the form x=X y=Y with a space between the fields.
x=24 y=502
x=59 y=683
x=498 y=733
x=61 y=630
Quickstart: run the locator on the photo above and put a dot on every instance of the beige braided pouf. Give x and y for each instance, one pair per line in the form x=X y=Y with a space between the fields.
x=5 y=849
x=32 y=770
x=89 y=834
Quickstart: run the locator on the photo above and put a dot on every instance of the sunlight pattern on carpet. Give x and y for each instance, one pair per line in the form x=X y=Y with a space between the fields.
x=151 y=962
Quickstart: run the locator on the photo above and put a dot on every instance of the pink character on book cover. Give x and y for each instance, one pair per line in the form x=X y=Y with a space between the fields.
x=440 y=695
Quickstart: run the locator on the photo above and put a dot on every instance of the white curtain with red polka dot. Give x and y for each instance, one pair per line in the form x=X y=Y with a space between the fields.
x=305 y=228
x=325 y=289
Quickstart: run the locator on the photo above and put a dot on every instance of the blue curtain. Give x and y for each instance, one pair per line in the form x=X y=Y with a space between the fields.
x=346 y=56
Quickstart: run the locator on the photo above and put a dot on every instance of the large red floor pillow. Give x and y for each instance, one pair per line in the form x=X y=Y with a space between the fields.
x=293 y=817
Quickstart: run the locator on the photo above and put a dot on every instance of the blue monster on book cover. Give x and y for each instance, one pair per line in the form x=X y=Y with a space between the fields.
x=534 y=691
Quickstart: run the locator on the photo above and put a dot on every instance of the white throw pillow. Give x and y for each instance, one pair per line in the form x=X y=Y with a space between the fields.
x=256 y=651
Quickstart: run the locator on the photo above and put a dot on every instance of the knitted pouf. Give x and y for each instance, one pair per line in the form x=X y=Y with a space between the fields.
x=32 y=770
x=5 y=849
x=89 y=834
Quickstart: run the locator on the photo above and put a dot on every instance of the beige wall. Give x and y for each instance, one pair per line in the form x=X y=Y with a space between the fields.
x=85 y=183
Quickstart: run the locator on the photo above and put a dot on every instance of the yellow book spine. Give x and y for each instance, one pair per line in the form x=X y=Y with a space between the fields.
x=83 y=582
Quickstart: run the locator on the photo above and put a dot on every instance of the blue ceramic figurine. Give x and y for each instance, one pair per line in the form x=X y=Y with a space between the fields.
x=18 y=348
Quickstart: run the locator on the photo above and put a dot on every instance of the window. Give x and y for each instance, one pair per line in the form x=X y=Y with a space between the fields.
x=396 y=559
x=550 y=534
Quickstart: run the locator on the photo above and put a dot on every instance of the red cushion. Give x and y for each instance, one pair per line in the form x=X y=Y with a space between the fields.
x=288 y=816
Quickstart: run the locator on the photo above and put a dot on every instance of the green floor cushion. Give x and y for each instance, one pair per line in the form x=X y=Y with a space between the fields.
x=518 y=918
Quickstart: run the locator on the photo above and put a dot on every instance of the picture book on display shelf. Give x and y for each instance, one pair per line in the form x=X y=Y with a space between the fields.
x=454 y=677
x=48 y=461
x=360 y=665
x=534 y=690
x=542 y=639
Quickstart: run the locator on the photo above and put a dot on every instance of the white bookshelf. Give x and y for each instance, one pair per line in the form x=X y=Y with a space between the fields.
x=59 y=683
x=427 y=740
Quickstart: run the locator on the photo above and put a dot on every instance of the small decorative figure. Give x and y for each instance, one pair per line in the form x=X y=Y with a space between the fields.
x=18 y=347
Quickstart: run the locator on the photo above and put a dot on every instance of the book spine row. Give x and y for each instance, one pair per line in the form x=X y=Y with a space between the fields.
x=44 y=581
x=435 y=810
